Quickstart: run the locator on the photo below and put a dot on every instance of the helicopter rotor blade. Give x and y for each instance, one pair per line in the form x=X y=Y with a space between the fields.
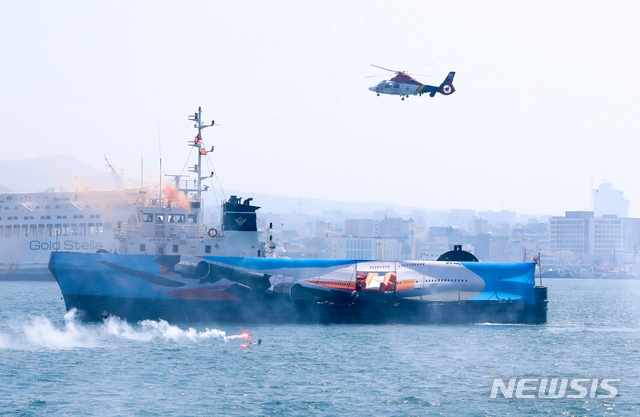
x=425 y=65
x=386 y=69
x=375 y=76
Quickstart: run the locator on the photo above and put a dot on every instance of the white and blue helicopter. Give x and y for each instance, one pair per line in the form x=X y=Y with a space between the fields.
x=404 y=85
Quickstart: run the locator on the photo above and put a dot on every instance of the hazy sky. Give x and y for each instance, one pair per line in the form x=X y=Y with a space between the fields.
x=547 y=95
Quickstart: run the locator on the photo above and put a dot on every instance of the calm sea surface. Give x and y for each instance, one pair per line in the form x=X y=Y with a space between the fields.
x=51 y=364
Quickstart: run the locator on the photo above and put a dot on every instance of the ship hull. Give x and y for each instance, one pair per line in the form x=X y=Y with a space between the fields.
x=257 y=290
x=96 y=308
x=35 y=272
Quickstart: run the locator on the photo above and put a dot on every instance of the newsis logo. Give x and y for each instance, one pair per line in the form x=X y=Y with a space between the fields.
x=65 y=245
x=552 y=388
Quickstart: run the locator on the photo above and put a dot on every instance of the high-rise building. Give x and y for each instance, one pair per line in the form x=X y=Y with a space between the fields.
x=571 y=232
x=362 y=227
x=609 y=235
x=581 y=232
x=608 y=200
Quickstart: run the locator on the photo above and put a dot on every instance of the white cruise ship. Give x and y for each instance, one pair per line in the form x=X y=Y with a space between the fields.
x=34 y=224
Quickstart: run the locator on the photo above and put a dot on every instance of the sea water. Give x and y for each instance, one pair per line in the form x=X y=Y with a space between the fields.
x=53 y=364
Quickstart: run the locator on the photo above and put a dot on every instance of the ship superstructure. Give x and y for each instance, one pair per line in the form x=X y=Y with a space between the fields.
x=173 y=224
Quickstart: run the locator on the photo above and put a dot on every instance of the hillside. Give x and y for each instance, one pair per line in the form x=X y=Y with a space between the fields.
x=38 y=174
x=64 y=172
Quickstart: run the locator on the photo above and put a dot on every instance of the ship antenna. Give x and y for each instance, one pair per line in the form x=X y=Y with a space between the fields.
x=141 y=163
x=197 y=143
x=160 y=155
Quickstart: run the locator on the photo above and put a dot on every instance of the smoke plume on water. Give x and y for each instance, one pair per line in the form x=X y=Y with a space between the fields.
x=150 y=330
x=40 y=332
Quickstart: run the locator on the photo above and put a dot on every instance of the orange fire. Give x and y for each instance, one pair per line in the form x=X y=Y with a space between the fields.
x=172 y=194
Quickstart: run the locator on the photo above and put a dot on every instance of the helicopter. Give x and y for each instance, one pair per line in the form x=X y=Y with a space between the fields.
x=404 y=85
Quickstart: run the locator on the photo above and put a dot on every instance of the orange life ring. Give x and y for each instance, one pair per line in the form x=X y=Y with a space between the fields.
x=213 y=232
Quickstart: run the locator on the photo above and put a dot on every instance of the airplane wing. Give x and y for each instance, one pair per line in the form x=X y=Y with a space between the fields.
x=208 y=271
x=152 y=278
x=251 y=279
x=240 y=291
x=301 y=290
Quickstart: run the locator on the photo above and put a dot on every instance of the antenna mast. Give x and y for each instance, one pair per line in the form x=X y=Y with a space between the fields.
x=160 y=155
x=197 y=143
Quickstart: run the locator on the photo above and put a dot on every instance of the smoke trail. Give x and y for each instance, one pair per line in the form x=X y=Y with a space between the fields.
x=40 y=332
x=3 y=341
x=159 y=330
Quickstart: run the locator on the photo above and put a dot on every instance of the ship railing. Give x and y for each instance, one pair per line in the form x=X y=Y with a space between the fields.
x=126 y=230
x=172 y=230
x=189 y=231
x=157 y=202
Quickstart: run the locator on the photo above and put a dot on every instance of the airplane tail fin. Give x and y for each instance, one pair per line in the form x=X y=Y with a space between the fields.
x=446 y=87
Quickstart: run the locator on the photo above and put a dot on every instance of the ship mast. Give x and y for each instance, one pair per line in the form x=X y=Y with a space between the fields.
x=197 y=169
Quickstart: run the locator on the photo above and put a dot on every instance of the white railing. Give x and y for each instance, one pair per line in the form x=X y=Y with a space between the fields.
x=189 y=231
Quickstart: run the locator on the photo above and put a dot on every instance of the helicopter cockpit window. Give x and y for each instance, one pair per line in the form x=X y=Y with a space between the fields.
x=387 y=85
x=396 y=85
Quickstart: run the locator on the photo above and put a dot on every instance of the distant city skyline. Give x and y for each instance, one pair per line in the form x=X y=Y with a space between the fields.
x=38 y=174
x=314 y=228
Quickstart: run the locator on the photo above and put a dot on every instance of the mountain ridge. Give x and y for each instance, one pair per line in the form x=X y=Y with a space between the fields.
x=61 y=172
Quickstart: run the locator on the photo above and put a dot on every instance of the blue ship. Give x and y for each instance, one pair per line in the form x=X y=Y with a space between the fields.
x=172 y=266
x=180 y=288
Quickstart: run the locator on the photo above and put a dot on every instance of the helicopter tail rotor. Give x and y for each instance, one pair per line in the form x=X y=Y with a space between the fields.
x=446 y=87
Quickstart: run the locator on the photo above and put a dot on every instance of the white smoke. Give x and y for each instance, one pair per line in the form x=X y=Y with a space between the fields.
x=150 y=330
x=3 y=341
x=40 y=332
